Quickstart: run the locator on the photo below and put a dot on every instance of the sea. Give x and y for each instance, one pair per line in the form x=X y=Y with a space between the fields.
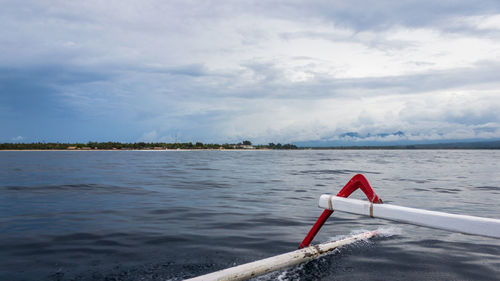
x=171 y=215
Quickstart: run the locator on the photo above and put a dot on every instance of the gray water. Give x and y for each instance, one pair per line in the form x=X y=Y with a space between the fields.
x=169 y=215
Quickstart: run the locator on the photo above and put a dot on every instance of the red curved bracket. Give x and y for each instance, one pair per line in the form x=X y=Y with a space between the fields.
x=358 y=181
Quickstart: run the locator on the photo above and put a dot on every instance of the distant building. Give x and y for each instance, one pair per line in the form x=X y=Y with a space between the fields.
x=71 y=147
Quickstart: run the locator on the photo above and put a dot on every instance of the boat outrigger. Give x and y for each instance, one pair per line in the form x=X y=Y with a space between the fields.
x=374 y=208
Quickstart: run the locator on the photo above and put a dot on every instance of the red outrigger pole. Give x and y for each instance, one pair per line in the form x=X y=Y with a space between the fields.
x=358 y=181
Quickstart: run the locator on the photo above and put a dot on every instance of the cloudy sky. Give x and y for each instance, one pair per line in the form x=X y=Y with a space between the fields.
x=267 y=71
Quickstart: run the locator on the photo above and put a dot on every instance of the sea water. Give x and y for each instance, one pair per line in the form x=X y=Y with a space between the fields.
x=170 y=215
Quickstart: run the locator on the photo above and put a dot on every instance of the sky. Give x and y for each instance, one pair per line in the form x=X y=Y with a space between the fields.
x=264 y=71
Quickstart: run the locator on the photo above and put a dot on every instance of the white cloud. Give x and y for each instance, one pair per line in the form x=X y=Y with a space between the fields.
x=149 y=137
x=483 y=22
x=17 y=139
x=226 y=71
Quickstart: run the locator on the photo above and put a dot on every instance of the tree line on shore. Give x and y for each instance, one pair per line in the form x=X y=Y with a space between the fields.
x=138 y=146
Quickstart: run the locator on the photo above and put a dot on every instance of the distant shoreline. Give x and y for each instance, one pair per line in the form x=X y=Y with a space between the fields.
x=111 y=146
x=244 y=146
x=246 y=150
x=171 y=150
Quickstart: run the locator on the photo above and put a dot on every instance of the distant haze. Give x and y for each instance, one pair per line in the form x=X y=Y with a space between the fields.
x=267 y=71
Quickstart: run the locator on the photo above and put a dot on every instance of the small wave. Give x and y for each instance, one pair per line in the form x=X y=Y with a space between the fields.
x=334 y=172
x=488 y=188
x=446 y=190
x=79 y=187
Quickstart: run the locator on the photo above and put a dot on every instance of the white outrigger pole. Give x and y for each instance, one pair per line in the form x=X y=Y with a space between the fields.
x=458 y=223
x=374 y=208
x=261 y=267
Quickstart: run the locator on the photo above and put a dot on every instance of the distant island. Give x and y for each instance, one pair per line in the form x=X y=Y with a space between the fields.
x=140 y=146
x=448 y=145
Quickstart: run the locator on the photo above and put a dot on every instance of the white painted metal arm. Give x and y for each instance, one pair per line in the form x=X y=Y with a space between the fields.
x=439 y=220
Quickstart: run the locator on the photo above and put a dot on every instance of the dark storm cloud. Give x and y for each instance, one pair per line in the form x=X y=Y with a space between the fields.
x=33 y=92
x=32 y=102
x=37 y=88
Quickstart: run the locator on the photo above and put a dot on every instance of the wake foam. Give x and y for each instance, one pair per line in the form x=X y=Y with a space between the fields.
x=386 y=231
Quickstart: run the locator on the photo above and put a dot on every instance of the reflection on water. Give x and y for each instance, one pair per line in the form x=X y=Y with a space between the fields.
x=170 y=215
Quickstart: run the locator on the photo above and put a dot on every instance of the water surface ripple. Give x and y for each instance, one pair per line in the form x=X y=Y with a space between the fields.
x=169 y=215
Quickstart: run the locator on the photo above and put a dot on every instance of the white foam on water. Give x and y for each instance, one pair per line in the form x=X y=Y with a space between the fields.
x=292 y=273
x=387 y=231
